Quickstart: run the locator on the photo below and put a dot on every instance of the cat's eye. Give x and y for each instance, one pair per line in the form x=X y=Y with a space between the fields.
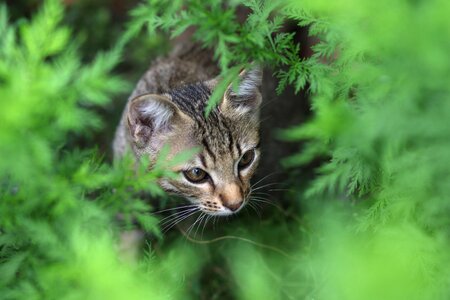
x=246 y=159
x=195 y=175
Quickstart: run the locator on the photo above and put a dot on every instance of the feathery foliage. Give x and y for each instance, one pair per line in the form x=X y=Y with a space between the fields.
x=57 y=204
x=236 y=45
x=373 y=222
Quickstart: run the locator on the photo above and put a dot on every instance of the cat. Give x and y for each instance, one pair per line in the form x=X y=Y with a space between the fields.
x=168 y=107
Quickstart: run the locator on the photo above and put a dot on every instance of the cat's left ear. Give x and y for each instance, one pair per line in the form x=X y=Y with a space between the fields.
x=246 y=96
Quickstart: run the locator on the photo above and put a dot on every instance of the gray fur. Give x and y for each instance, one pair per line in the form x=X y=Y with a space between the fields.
x=181 y=85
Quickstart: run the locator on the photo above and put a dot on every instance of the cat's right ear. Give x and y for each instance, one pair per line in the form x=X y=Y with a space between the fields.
x=150 y=115
x=246 y=96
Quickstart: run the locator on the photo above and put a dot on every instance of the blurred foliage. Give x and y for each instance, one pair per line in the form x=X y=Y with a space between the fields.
x=57 y=204
x=372 y=224
x=381 y=122
x=236 y=44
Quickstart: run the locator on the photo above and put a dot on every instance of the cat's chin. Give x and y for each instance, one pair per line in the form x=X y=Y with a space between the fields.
x=223 y=213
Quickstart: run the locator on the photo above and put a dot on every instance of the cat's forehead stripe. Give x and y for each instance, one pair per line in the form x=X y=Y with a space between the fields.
x=203 y=160
x=191 y=99
x=216 y=133
x=208 y=150
x=239 y=149
x=230 y=137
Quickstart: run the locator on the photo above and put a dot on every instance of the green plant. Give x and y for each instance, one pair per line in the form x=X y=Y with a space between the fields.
x=373 y=222
x=57 y=205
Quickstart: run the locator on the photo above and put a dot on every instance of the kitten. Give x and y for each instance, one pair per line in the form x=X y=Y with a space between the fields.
x=167 y=107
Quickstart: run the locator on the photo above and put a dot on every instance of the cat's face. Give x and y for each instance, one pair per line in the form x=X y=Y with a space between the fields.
x=217 y=178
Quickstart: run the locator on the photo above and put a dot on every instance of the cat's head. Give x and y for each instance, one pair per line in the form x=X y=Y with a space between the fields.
x=217 y=178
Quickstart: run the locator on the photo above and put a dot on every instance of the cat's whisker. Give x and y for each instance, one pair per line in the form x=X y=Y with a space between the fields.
x=214 y=222
x=261 y=193
x=266 y=197
x=190 y=228
x=265 y=177
x=170 y=217
x=265 y=201
x=196 y=223
x=179 y=219
x=173 y=208
x=256 y=204
x=171 y=225
x=199 y=224
x=262 y=198
x=204 y=225
x=265 y=185
x=250 y=204
x=280 y=190
x=175 y=215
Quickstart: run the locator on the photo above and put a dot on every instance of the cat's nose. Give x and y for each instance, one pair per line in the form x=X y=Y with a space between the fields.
x=233 y=206
x=232 y=197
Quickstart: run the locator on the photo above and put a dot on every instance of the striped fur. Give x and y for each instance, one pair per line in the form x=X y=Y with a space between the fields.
x=173 y=114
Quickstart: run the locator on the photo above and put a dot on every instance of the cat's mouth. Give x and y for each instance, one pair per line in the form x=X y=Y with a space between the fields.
x=224 y=210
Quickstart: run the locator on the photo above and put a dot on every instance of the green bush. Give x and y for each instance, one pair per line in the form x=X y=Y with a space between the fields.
x=372 y=224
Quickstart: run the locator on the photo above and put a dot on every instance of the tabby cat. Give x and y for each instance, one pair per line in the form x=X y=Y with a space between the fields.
x=167 y=107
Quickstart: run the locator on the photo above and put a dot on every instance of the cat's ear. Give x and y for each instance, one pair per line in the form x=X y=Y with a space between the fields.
x=152 y=114
x=246 y=96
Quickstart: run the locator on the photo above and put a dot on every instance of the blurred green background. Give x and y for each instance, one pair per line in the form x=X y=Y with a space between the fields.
x=355 y=137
